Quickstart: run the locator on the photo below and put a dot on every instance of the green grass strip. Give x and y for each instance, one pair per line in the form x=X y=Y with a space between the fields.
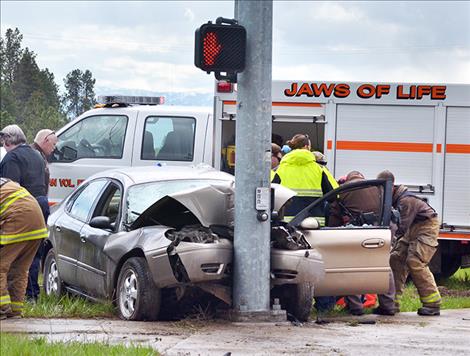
x=67 y=306
x=19 y=345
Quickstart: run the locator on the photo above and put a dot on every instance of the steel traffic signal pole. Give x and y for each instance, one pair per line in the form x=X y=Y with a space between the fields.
x=251 y=290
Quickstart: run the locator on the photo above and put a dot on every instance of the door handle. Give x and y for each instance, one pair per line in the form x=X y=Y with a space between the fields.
x=373 y=243
x=82 y=238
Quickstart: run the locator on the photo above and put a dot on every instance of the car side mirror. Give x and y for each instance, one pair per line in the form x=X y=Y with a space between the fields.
x=69 y=153
x=310 y=223
x=101 y=222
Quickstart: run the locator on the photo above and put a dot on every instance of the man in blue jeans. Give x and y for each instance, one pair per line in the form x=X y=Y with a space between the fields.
x=44 y=142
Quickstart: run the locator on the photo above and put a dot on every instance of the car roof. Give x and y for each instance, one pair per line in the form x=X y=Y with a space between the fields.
x=137 y=175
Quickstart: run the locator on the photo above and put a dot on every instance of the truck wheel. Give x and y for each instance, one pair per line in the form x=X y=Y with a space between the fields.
x=137 y=296
x=298 y=300
x=52 y=282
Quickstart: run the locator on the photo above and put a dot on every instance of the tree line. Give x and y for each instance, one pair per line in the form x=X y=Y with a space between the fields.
x=29 y=95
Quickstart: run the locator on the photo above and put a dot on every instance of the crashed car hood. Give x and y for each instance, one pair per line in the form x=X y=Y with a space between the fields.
x=211 y=205
x=208 y=205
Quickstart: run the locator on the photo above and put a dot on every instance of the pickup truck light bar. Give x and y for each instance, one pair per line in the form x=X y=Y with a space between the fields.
x=109 y=100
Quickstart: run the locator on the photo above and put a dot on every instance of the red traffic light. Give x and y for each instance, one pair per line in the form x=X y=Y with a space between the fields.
x=220 y=48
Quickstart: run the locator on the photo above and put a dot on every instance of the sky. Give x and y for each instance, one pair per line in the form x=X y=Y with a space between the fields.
x=149 y=45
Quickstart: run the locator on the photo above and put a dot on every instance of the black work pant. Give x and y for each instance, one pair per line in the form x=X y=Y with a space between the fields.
x=32 y=290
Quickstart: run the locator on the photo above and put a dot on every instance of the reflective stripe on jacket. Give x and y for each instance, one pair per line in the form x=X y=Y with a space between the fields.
x=21 y=217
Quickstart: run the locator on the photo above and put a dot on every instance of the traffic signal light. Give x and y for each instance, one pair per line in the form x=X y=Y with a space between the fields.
x=220 y=47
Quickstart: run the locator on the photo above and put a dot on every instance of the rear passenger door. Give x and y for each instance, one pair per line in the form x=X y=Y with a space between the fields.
x=67 y=229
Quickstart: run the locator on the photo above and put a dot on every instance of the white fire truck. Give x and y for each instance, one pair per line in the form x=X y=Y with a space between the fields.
x=420 y=132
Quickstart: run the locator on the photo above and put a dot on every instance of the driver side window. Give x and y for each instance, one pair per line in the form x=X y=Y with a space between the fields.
x=100 y=136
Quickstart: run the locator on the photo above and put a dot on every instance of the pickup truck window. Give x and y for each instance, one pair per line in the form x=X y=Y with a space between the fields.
x=168 y=138
x=100 y=136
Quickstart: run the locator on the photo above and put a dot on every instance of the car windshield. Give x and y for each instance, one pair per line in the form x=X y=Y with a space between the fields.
x=140 y=197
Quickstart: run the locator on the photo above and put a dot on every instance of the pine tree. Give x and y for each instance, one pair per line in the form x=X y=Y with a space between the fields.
x=88 y=90
x=11 y=54
x=28 y=95
x=80 y=94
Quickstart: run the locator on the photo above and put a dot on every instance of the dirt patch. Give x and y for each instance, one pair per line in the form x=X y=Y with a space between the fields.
x=454 y=292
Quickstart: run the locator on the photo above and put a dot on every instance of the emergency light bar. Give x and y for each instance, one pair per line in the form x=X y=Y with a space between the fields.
x=131 y=100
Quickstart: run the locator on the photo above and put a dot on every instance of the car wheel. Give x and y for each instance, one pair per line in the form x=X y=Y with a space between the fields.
x=52 y=283
x=137 y=296
x=298 y=300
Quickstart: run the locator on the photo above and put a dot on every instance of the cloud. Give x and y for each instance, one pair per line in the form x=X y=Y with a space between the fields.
x=189 y=14
x=336 y=12
x=150 y=44
x=154 y=76
x=112 y=38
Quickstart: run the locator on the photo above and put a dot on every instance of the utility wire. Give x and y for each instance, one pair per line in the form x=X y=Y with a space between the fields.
x=187 y=46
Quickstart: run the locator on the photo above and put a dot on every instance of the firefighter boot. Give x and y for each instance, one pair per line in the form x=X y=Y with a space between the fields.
x=429 y=311
x=383 y=311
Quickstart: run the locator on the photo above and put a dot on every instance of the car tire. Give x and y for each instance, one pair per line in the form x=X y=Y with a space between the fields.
x=138 y=298
x=298 y=300
x=52 y=283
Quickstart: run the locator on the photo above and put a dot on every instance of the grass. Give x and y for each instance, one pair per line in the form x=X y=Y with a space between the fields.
x=67 y=306
x=454 y=293
x=77 y=307
x=19 y=345
x=460 y=280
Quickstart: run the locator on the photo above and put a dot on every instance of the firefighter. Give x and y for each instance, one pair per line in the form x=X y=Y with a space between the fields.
x=416 y=243
x=300 y=172
x=27 y=165
x=22 y=230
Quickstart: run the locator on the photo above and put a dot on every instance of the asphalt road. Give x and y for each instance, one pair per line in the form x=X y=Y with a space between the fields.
x=405 y=334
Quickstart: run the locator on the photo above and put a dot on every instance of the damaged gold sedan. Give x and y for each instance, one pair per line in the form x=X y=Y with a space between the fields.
x=151 y=238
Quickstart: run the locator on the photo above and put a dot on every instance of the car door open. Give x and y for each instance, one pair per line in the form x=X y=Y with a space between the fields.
x=356 y=258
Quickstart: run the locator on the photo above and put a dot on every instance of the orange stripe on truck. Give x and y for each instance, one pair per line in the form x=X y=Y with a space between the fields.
x=384 y=146
x=456 y=148
x=281 y=103
x=452 y=235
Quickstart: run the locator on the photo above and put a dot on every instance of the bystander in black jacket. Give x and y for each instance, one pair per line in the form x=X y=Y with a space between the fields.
x=25 y=166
